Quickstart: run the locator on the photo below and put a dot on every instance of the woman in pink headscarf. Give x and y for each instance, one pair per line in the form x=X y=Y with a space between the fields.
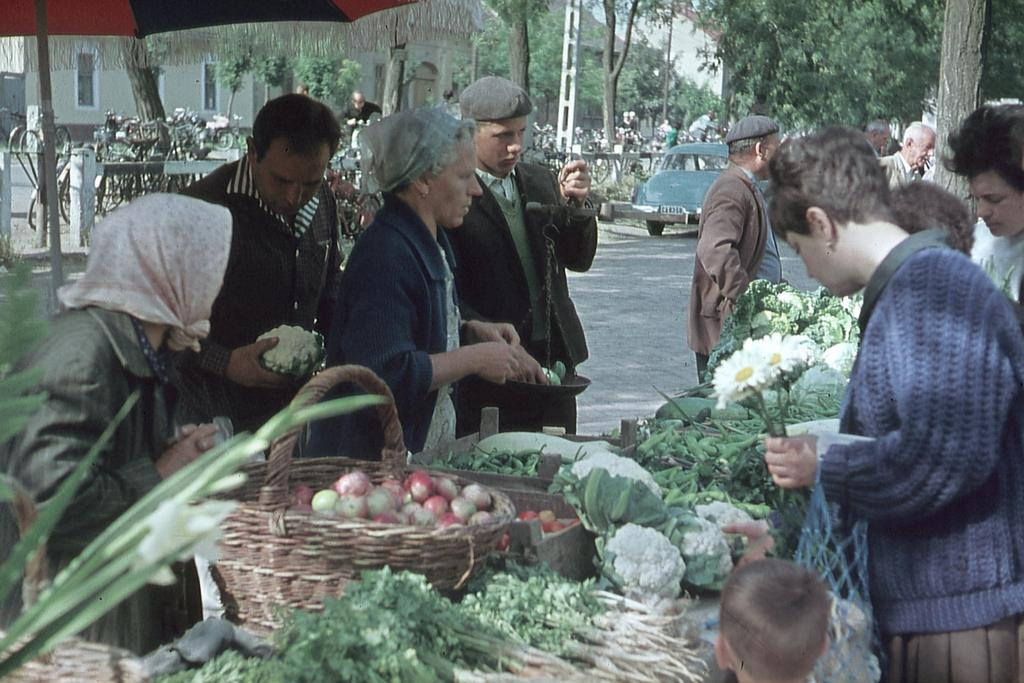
x=155 y=267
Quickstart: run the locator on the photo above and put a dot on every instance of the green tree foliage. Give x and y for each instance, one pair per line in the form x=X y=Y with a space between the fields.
x=815 y=62
x=545 y=62
x=1003 y=76
x=689 y=100
x=330 y=79
x=232 y=66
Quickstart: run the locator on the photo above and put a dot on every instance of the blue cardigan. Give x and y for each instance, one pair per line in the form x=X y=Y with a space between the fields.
x=390 y=317
x=937 y=382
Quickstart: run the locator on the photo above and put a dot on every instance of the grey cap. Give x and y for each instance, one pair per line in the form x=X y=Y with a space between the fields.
x=751 y=127
x=492 y=98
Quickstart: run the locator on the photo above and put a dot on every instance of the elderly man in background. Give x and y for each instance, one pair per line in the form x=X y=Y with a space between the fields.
x=284 y=267
x=878 y=133
x=511 y=261
x=361 y=110
x=735 y=243
x=907 y=165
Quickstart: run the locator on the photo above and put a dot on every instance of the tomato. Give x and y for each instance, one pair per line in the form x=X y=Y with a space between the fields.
x=552 y=526
x=527 y=515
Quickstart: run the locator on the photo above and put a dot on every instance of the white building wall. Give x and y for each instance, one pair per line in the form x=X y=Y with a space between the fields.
x=688 y=43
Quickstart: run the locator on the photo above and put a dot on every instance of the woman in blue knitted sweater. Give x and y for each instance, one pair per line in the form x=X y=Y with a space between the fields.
x=938 y=384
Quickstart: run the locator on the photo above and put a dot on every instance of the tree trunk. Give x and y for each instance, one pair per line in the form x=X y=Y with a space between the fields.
x=964 y=38
x=393 y=80
x=519 y=53
x=668 y=70
x=607 y=68
x=612 y=64
x=143 y=80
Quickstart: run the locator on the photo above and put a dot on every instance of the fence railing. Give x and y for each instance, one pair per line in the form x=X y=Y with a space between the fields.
x=88 y=188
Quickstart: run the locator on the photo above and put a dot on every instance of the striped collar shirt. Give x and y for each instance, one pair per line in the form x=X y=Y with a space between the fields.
x=245 y=184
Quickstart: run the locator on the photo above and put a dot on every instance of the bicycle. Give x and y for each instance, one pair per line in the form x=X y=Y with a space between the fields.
x=224 y=133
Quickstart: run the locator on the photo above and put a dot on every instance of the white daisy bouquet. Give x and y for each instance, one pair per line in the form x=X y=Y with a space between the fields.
x=761 y=367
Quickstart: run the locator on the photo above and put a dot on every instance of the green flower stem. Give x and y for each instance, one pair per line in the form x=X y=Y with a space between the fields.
x=782 y=410
x=762 y=408
x=110 y=565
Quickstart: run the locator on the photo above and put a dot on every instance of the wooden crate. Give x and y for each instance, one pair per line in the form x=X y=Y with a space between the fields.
x=570 y=552
x=547 y=468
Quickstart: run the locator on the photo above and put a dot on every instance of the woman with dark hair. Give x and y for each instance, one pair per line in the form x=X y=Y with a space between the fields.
x=937 y=385
x=988 y=149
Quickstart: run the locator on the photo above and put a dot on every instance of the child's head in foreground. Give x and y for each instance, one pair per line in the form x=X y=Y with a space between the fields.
x=774 y=622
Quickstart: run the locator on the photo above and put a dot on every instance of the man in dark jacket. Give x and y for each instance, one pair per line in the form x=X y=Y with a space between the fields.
x=511 y=261
x=284 y=265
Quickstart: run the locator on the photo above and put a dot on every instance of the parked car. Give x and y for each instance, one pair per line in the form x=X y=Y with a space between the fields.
x=675 y=192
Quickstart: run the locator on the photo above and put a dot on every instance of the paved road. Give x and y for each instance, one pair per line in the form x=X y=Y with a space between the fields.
x=633 y=306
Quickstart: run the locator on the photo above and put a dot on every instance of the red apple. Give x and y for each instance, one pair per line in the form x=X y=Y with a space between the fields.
x=380 y=500
x=448 y=519
x=436 y=504
x=481 y=517
x=446 y=487
x=353 y=484
x=420 y=485
x=351 y=507
x=462 y=508
x=478 y=495
x=304 y=494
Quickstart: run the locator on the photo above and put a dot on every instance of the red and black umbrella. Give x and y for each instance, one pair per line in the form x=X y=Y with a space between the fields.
x=145 y=17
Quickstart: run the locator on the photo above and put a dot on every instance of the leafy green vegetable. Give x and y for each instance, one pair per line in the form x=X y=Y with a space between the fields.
x=766 y=308
x=388 y=627
x=535 y=605
x=522 y=464
x=605 y=501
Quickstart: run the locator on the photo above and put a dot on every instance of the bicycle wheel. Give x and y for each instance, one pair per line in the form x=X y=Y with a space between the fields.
x=16 y=141
x=224 y=140
x=64 y=193
x=600 y=169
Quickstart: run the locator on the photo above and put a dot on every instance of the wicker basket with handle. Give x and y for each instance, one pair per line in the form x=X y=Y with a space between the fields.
x=74 y=660
x=272 y=556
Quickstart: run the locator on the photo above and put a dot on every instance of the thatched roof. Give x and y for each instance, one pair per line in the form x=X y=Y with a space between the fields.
x=426 y=20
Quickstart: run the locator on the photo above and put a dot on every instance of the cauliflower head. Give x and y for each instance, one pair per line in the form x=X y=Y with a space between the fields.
x=644 y=561
x=721 y=513
x=616 y=465
x=707 y=554
x=298 y=351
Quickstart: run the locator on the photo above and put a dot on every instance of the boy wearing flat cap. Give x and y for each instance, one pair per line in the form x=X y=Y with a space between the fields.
x=511 y=262
x=735 y=243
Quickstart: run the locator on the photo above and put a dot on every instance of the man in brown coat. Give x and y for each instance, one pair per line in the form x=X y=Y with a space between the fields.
x=734 y=241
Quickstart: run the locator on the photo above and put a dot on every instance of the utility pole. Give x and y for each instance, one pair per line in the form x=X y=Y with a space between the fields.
x=668 y=66
x=570 y=75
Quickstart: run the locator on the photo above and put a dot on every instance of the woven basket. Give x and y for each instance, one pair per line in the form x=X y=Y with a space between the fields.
x=73 y=660
x=273 y=557
x=79 y=661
